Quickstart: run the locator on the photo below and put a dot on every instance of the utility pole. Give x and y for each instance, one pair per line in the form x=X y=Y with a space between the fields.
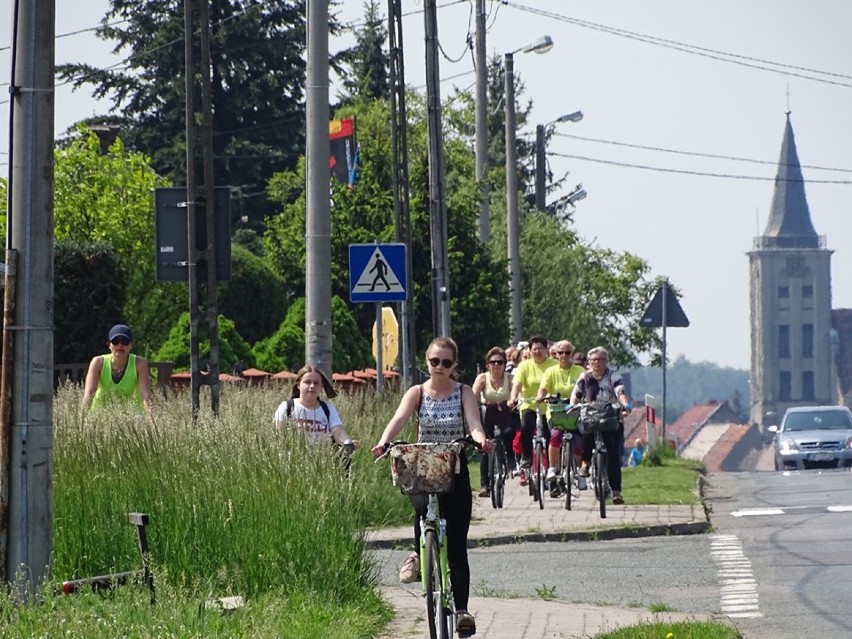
x=401 y=209
x=437 y=201
x=200 y=200
x=318 y=208
x=540 y=158
x=513 y=227
x=26 y=449
x=482 y=123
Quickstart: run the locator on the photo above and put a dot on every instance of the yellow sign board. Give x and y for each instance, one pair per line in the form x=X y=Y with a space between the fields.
x=390 y=338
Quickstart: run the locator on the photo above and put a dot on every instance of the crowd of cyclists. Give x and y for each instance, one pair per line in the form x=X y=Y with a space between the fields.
x=519 y=378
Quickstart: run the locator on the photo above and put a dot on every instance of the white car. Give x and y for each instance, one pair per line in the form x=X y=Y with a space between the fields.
x=813 y=437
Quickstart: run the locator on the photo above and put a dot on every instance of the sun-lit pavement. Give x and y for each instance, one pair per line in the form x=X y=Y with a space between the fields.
x=520 y=519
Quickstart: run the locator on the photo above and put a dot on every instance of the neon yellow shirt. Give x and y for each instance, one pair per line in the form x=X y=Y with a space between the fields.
x=529 y=374
x=126 y=388
x=560 y=380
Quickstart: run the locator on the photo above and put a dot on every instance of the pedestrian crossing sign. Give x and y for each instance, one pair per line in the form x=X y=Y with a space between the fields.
x=377 y=273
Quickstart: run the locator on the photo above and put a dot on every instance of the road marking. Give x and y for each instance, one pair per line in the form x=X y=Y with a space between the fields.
x=789 y=510
x=757 y=512
x=736 y=580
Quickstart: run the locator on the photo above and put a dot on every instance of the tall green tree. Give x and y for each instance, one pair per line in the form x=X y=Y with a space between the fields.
x=257 y=87
x=367 y=63
x=106 y=199
x=365 y=214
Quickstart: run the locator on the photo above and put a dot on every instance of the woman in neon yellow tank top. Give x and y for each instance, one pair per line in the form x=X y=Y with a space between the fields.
x=118 y=375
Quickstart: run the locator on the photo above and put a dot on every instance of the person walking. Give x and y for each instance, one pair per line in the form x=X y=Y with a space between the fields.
x=119 y=376
x=445 y=410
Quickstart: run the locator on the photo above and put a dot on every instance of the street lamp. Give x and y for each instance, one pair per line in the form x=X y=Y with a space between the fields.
x=540 y=187
x=540 y=45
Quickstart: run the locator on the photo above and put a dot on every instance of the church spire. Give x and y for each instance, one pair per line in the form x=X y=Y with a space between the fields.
x=789 y=224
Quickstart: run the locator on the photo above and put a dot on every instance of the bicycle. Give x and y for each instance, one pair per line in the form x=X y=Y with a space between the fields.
x=498 y=469
x=565 y=417
x=597 y=418
x=536 y=471
x=423 y=471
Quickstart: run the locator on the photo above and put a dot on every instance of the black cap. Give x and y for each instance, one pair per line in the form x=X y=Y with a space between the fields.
x=120 y=330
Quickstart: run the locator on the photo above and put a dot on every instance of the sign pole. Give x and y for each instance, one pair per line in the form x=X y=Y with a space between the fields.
x=665 y=311
x=380 y=339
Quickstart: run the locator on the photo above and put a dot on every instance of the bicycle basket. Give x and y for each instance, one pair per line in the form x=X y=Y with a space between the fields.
x=425 y=468
x=562 y=417
x=598 y=417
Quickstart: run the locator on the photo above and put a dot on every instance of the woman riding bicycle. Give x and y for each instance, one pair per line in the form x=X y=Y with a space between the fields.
x=525 y=383
x=446 y=410
x=558 y=380
x=492 y=389
x=602 y=384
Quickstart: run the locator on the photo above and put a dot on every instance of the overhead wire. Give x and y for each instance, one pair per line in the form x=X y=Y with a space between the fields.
x=713 y=156
x=715 y=54
x=732 y=176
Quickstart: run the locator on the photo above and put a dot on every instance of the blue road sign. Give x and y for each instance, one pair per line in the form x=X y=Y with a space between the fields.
x=377 y=273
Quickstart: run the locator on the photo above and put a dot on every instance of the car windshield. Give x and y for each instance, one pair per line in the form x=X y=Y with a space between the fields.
x=817 y=420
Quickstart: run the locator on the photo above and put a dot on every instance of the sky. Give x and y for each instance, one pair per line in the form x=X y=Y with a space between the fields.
x=684 y=110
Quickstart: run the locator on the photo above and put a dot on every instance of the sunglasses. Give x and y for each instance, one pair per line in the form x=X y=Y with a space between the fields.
x=563 y=352
x=436 y=361
x=497 y=362
x=115 y=341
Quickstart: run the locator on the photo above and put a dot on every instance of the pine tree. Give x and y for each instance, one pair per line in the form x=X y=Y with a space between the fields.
x=258 y=77
x=368 y=62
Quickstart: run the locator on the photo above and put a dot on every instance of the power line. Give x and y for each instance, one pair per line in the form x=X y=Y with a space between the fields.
x=731 y=176
x=714 y=54
x=693 y=153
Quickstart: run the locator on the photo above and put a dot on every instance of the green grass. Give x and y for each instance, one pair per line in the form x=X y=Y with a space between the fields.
x=236 y=506
x=677 y=630
x=670 y=484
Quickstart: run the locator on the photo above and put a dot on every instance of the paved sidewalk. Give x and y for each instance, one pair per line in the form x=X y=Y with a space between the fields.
x=519 y=520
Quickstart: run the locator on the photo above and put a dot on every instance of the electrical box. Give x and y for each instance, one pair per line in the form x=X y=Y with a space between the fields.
x=172 y=230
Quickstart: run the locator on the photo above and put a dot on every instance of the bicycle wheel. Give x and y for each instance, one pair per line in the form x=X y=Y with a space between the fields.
x=434 y=586
x=566 y=458
x=599 y=470
x=499 y=471
x=539 y=474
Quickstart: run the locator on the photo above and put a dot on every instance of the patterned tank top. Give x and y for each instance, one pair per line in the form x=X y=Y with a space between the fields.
x=441 y=420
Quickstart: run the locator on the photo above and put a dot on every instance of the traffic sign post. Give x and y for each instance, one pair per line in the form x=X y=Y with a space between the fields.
x=377 y=273
x=664 y=311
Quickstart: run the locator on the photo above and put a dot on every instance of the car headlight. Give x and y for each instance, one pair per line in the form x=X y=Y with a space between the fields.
x=848 y=443
x=787 y=445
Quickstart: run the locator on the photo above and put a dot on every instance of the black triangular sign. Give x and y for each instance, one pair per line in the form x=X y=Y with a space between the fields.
x=653 y=317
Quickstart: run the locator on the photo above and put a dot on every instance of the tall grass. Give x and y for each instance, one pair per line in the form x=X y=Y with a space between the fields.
x=235 y=504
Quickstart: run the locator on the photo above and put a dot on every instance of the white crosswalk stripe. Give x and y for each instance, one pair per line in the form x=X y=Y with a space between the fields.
x=737 y=584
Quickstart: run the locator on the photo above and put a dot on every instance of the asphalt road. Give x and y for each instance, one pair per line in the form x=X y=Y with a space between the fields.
x=794 y=531
x=676 y=572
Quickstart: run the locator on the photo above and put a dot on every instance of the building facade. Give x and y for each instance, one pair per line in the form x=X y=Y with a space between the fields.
x=790 y=299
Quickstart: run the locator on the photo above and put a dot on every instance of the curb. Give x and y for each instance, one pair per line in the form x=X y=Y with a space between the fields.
x=626 y=531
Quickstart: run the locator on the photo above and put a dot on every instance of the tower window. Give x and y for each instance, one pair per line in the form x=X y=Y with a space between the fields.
x=783 y=292
x=807 y=291
x=783 y=340
x=784 y=385
x=808 y=386
x=807 y=340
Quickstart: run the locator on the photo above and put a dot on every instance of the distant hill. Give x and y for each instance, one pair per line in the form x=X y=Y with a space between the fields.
x=688 y=383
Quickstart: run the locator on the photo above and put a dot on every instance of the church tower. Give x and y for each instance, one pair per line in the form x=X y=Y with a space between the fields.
x=790 y=299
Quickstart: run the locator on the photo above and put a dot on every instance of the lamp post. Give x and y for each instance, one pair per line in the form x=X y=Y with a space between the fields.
x=541 y=45
x=540 y=186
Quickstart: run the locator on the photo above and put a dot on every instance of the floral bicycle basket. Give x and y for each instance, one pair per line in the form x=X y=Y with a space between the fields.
x=425 y=468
